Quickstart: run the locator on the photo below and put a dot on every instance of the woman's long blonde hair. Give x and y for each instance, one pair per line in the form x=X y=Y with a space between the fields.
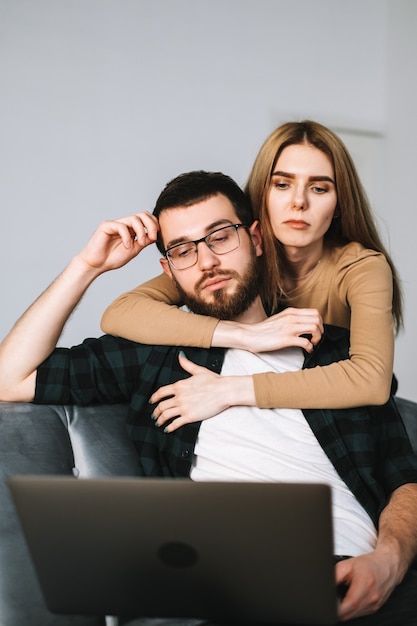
x=355 y=221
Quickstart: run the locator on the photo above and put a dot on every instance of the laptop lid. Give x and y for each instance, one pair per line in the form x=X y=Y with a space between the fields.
x=224 y=551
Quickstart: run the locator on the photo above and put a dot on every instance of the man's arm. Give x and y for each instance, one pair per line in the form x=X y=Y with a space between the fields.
x=371 y=578
x=36 y=333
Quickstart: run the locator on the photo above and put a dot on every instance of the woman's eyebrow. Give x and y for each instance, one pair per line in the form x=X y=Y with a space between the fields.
x=310 y=178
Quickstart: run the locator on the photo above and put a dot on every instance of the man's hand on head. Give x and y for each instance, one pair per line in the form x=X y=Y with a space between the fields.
x=116 y=242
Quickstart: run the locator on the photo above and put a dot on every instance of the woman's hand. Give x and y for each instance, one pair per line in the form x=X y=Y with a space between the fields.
x=202 y=395
x=291 y=327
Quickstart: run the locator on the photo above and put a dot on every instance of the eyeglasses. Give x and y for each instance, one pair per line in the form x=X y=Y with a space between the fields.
x=220 y=241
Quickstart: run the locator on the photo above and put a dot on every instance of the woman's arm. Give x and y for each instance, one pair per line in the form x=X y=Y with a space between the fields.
x=150 y=314
x=206 y=394
x=364 y=284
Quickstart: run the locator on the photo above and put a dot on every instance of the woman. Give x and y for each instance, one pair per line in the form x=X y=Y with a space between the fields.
x=321 y=250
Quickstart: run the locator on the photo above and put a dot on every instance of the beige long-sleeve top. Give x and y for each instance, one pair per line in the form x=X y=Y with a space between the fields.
x=351 y=287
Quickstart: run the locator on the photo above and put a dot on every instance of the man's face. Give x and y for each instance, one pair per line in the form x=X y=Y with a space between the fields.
x=223 y=286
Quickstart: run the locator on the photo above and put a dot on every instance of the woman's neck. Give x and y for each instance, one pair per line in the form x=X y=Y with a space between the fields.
x=297 y=267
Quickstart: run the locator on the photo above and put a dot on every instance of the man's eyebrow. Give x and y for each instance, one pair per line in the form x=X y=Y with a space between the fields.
x=310 y=178
x=209 y=228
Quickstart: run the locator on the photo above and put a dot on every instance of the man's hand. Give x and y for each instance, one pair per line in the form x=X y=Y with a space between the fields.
x=369 y=580
x=116 y=242
x=292 y=327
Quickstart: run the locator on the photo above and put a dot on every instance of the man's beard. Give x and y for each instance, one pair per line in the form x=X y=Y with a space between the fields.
x=222 y=305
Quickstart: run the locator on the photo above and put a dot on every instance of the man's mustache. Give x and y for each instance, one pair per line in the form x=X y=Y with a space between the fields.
x=214 y=274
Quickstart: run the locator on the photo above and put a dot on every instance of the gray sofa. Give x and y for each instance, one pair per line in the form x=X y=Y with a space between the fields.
x=89 y=441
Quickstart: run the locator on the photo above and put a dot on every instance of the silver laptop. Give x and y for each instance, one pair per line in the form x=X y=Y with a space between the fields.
x=229 y=552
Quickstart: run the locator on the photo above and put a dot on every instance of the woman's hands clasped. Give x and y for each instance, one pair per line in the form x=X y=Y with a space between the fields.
x=291 y=327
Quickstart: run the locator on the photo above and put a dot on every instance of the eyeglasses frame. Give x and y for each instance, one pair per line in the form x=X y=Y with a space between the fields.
x=197 y=241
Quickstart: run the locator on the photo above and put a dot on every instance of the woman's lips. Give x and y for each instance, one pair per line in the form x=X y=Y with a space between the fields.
x=298 y=224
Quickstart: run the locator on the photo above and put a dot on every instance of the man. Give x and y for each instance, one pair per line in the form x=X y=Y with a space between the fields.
x=210 y=247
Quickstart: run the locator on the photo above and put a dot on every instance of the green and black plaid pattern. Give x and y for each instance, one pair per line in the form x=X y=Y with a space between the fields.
x=368 y=446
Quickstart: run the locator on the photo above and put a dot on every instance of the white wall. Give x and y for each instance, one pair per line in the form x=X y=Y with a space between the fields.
x=400 y=174
x=103 y=101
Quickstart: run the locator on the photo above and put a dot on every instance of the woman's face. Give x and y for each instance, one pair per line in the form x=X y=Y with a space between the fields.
x=302 y=196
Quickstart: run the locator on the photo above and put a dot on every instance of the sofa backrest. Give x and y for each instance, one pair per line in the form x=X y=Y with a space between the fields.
x=408 y=411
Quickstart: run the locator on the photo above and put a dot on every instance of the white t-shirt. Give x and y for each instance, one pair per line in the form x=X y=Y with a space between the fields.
x=247 y=443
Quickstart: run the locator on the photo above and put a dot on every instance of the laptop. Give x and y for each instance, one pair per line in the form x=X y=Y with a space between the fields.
x=238 y=552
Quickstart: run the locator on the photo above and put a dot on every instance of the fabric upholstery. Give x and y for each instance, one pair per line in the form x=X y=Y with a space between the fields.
x=89 y=441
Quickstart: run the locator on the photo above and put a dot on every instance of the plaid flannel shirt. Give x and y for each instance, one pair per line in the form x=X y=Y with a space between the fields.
x=368 y=446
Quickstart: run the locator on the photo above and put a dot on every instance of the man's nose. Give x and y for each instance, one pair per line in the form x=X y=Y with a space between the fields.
x=206 y=258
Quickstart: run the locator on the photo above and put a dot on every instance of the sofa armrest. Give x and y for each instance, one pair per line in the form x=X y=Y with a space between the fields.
x=100 y=443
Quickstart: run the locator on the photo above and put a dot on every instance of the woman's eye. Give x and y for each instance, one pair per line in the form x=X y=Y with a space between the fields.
x=317 y=189
x=279 y=185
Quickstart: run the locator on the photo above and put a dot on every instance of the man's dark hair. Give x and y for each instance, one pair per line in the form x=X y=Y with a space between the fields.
x=193 y=187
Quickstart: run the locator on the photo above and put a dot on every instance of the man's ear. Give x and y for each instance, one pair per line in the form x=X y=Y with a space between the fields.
x=166 y=266
x=255 y=232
